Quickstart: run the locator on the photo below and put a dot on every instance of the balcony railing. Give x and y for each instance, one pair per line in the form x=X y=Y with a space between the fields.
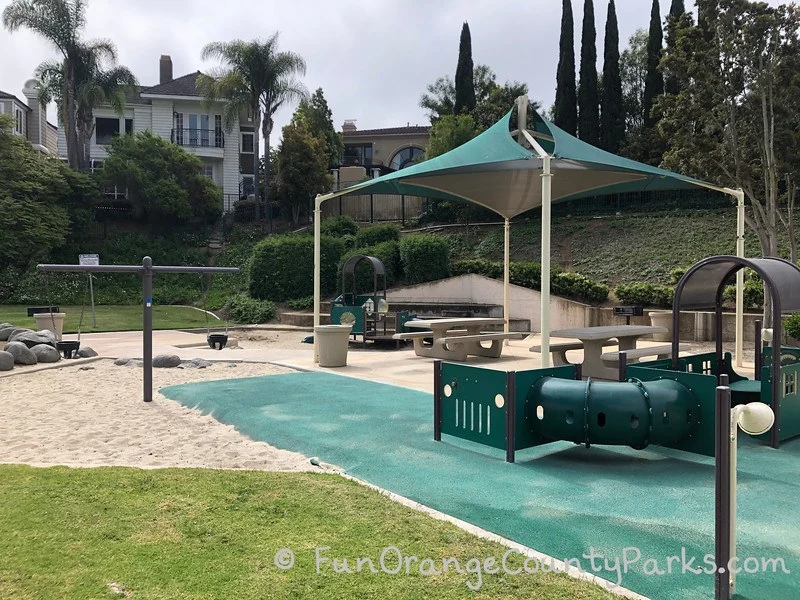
x=198 y=138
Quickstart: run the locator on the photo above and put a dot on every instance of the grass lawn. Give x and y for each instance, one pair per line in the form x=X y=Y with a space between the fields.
x=196 y=533
x=114 y=318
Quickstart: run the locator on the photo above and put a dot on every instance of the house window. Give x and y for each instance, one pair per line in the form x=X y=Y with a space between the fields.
x=179 y=128
x=208 y=171
x=129 y=126
x=20 y=123
x=406 y=157
x=105 y=130
x=247 y=143
x=357 y=155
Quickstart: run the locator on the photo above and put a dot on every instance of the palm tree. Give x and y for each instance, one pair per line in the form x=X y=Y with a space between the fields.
x=254 y=77
x=95 y=85
x=59 y=21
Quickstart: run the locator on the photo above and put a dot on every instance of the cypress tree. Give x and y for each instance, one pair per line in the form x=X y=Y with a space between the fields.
x=566 y=107
x=465 y=82
x=654 y=81
x=676 y=11
x=588 y=101
x=612 y=109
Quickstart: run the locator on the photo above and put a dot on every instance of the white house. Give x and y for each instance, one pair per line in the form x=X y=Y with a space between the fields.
x=30 y=120
x=175 y=110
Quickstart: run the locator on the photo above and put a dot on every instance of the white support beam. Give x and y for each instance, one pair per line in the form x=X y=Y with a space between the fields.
x=317 y=269
x=545 y=291
x=506 y=275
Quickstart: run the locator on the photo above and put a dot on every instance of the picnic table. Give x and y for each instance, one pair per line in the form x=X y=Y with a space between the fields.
x=456 y=338
x=595 y=338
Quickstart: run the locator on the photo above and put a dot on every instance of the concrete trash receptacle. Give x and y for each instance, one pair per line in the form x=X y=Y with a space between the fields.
x=332 y=344
x=662 y=318
x=52 y=321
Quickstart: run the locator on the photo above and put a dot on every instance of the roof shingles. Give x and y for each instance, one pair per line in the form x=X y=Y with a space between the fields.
x=182 y=86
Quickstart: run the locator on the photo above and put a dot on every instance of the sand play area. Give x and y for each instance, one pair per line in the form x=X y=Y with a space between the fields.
x=92 y=414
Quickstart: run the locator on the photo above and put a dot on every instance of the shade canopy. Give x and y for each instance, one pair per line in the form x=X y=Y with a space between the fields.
x=511 y=172
x=495 y=171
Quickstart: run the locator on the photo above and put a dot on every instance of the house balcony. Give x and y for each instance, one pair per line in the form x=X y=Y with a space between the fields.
x=202 y=142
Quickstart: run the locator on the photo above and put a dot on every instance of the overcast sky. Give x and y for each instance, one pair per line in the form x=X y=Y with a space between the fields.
x=372 y=59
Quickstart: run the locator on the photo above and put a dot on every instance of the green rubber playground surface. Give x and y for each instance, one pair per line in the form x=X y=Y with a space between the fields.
x=564 y=500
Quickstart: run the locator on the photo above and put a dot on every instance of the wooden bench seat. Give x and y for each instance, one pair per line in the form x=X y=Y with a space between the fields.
x=633 y=355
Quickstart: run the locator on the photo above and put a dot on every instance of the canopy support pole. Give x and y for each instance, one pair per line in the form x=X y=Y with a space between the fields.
x=506 y=276
x=739 y=349
x=545 y=291
x=317 y=268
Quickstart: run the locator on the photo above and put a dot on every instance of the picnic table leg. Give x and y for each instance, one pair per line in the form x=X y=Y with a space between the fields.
x=593 y=365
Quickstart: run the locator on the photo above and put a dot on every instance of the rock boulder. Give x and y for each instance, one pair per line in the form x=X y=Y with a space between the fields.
x=46 y=353
x=166 y=361
x=21 y=353
x=34 y=338
x=6 y=361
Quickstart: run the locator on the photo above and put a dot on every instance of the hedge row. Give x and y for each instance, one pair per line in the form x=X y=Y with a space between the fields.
x=282 y=267
x=645 y=294
x=529 y=275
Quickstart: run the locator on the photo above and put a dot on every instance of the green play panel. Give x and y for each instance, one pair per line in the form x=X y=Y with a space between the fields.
x=560 y=499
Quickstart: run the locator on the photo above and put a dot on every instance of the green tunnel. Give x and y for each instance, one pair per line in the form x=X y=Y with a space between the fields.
x=632 y=413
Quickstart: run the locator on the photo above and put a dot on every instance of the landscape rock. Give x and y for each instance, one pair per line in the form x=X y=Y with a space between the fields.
x=7 y=332
x=46 y=353
x=121 y=362
x=166 y=361
x=21 y=353
x=196 y=363
x=34 y=338
x=86 y=352
x=134 y=363
x=6 y=361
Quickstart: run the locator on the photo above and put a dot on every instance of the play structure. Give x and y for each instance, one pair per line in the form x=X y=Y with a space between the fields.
x=668 y=402
x=367 y=311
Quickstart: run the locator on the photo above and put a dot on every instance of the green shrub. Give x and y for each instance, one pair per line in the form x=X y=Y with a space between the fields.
x=244 y=210
x=424 y=257
x=676 y=274
x=339 y=226
x=282 y=267
x=387 y=252
x=302 y=303
x=250 y=311
x=645 y=294
x=375 y=234
x=527 y=274
x=753 y=293
x=792 y=326
x=478 y=266
x=578 y=287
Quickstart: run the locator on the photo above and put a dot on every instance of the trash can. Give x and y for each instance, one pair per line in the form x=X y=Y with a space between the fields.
x=662 y=318
x=52 y=321
x=332 y=343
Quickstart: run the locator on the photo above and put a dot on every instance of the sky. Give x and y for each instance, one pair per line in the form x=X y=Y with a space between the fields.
x=373 y=60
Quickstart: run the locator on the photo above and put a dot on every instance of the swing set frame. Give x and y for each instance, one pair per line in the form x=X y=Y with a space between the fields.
x=146 y=269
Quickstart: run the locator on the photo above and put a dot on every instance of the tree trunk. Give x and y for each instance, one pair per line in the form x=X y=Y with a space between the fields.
x=257 y=189
x=70 y=124
x=266 y=127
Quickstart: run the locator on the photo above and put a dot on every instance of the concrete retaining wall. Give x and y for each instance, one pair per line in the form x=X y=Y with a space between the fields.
x=525 y=303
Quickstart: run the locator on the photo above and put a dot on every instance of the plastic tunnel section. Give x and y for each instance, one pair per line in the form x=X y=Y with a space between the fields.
x=634 y=413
